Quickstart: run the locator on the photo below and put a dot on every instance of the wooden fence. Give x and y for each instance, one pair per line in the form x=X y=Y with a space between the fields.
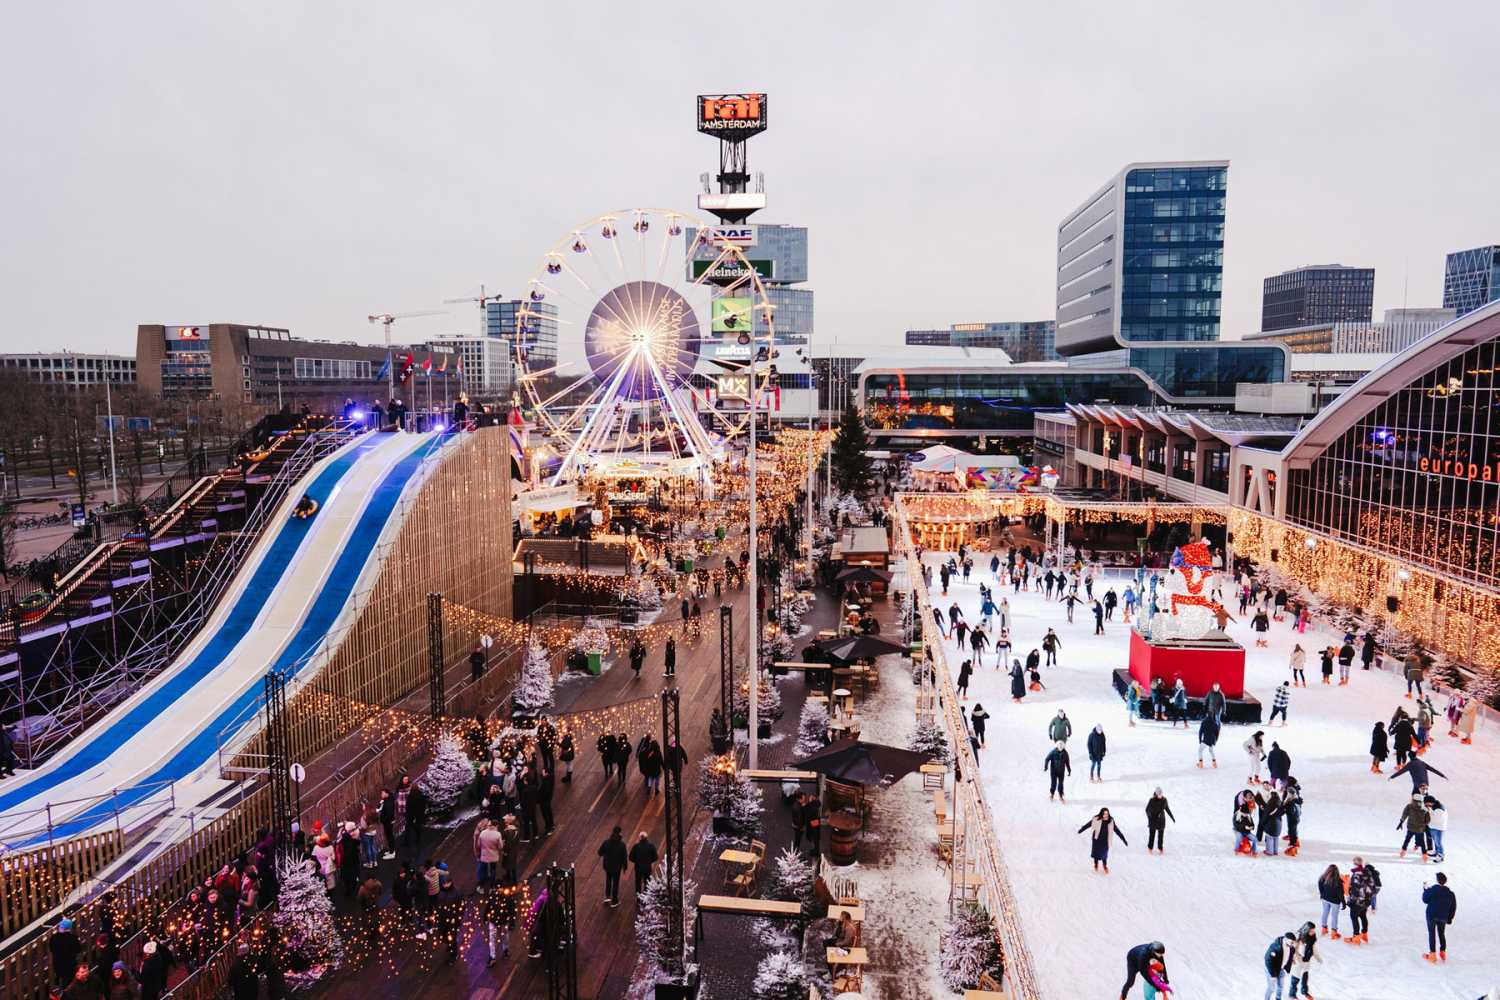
x=37 y=882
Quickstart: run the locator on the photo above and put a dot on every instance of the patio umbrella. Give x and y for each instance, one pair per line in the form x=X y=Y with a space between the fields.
x=863 y=574
x=863 y=763
x=858 y=647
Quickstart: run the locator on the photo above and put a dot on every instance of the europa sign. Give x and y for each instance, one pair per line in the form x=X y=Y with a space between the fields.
x=732 y=116
x=1470 y=470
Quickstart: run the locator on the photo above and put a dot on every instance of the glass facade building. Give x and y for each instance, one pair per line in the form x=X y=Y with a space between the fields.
x=1418 y=477
x=988 y=401
x=1471 y=278
x=1193 y=372
x=1310 y=296
x=1172 y=253
x=1022 y=341
x=541 y=335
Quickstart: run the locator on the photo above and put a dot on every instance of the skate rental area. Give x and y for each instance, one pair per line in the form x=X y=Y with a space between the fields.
x=1214 y=905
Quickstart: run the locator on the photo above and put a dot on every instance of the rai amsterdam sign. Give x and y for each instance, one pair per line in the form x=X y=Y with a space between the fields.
x=732 y=116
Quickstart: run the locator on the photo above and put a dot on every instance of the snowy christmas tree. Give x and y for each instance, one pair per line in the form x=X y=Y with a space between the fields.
x=929 y=737
x=308 y=939
x=791 y=879
x=534 y=690
x=651 y=924
x=726 y=792
x=589 y=640
x=812 y=727
x=969 y=947
x=448 y=776
x=1485 y=686
x=780 y=977
x=789 y=620
x=770 y=702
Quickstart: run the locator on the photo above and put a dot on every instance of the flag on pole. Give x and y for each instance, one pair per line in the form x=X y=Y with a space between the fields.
x=458 y=369
x=427 y=364
x=385 y=369
x=443 y=367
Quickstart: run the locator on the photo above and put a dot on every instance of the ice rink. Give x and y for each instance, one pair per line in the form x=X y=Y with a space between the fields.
x=1217 y=911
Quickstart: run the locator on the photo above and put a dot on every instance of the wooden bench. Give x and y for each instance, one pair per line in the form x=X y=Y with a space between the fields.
x=933 y=775
x=749 y=907
x=763 y=775
x=940 y=805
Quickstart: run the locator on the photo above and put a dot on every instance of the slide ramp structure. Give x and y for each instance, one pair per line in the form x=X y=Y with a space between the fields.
x=295 y=590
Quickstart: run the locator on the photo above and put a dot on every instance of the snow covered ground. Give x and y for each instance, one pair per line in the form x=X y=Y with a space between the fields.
x=1216 y=911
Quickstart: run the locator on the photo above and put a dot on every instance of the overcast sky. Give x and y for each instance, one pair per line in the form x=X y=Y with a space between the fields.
x=305 y=164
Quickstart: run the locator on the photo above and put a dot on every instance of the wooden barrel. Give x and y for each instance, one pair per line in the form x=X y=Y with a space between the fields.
x=841 y=845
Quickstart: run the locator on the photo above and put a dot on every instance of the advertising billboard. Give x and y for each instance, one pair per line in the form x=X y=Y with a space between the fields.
x=740 y=236
x=732 y=116
x=732 y=201
x=730 y=271
x=731 y=313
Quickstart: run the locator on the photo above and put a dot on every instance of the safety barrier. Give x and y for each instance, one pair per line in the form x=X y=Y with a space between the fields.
x=36 y=882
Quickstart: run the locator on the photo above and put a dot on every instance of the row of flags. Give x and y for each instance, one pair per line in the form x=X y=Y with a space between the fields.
x=409 y=366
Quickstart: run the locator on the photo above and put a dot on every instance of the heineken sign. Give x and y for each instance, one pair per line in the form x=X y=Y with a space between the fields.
x=731 y=270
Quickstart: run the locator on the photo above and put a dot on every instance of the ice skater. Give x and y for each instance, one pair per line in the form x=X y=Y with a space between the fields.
x=1096 y=748
x=1100 y=827
x=1058 y=766
x=1157 y=813
x=1255 y=749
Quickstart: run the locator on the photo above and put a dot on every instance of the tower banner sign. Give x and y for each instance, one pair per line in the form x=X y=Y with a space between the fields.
x=732 y=116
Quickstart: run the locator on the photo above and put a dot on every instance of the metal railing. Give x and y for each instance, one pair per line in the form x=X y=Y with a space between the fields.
x=29 y=827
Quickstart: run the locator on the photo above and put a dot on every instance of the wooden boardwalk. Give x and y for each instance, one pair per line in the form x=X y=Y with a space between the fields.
x=587 y=809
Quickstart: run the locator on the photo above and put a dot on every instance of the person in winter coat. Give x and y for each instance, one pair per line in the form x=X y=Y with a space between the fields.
x=416 y=817
x=1299 y=665
x=637 y=657
x=1057 y=765
x=1414 y=816
x=566 y=752
x=1466 y=720
x=613 y=855
x=1260 y=624
x=1100 y=827
x=1243 y=823
x=1379 y=747
x=1132 y=702
x=1017 y=682
x=1278 y=961
x=1177 y=706
x=622 y=757
x=965 y=671
x=1157 y=813
x=1279 y=702
x=1050 y=645
x=1138 y=963
x=1255 y=749
x=156 y=964
x=1367 y=650
x=1096 y=748
x=1331 y=893
x=1214 y=702
x=1359 y=897
x=670 y=661
x=1346 y=660
x=643 y=856
x=606 y=747
x=1278 y=762
x=1418 y=769
x=1326 y=658
x=1415 y=673
x=976 y=719
x=1403 y=736
x=1268 y=826
x=64 y=947
x=1059 y=729
x=1303 y=956
x=1208 y=737
x=1442 y=907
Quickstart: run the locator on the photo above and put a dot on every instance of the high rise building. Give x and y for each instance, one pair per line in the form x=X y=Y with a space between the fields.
x=1471 y=278
x=541 y=333
x=1318 y=293
x=487 y=363
x=1139 y=283
x=1023 y=341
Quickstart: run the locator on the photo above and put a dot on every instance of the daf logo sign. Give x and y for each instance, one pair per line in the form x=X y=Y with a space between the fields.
x=740 y=236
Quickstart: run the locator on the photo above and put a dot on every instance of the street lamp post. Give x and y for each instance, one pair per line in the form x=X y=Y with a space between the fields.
x=752 y=670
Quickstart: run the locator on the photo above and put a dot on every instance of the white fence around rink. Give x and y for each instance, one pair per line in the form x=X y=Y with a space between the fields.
x=976 y=848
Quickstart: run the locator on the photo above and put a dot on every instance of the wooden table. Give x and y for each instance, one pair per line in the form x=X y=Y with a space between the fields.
x=983 y=995
x=735 y=857
x=856 y=913
x=933 y=775
x=758 y=907
x=848 y=956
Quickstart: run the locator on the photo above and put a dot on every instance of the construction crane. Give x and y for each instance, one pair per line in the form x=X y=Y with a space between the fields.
x=386 y=320
x=483 y=300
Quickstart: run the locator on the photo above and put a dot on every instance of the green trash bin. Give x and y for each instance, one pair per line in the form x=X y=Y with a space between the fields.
x=684 y=565
x=719 y=532
x=596 y=663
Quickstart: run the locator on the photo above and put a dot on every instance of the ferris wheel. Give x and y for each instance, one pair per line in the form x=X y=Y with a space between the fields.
x=629 y=343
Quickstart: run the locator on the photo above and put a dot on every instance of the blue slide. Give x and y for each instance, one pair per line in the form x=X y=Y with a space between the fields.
x=278 y=561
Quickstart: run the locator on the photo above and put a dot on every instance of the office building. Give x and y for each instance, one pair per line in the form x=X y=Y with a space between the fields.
x=1139 y=284
x=1471 y=278
x=264 y=367
x=487 y=365
x=70 y=370
x=1316 y=294
x=1385 y=337
x=779 y=255
x=1023 y=341
x=541 y=329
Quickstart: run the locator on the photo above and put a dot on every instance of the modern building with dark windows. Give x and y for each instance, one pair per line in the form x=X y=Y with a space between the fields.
x=1140 y=282
x=1023 y=341
x=1317 y=294
x=1471 y=278
x=541 y=327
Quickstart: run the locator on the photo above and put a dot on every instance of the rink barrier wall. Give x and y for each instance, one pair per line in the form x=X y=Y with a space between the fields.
x=36 y=882
x=454 y=538
x=975 y=844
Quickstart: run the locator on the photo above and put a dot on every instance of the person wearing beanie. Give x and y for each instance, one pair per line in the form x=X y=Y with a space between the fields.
x=154 y=966
x=121 y=986
x=65 y=949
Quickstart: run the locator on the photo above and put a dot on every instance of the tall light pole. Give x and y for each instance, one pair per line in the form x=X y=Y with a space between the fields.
x=753 y=668
x=109 y=410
